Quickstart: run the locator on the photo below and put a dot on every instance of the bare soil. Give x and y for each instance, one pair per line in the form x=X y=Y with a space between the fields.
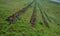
x=33 y=18
x=14 y=16
x=43 y=18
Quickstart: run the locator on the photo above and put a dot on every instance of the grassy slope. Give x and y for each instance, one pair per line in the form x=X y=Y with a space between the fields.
x=52 y=10
x=9 y=7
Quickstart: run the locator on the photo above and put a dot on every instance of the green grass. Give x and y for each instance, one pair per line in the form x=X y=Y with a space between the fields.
x=22 y=25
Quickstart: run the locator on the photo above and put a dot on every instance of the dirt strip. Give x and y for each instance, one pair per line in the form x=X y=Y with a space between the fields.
x=47 y=17
x=43 y=18
x=33 y=18
x=15 y=16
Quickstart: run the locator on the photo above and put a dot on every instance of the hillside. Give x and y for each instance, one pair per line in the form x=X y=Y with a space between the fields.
x=29 y=18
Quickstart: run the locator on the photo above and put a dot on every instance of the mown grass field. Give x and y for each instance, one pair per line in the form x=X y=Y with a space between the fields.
x=22 y=26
